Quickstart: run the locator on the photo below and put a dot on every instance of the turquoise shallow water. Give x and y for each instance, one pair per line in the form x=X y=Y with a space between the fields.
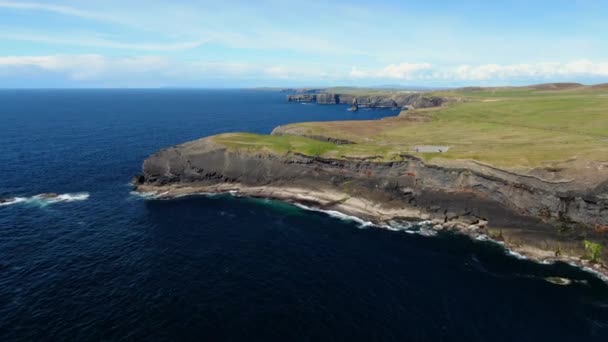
x=103 y=264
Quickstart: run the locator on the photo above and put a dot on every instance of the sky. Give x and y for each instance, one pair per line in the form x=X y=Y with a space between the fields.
x=225 y=44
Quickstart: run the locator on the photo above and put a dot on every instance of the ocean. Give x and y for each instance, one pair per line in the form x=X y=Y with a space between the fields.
x=103 y=264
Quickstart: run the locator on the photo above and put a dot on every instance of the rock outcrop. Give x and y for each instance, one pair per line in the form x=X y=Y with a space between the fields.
x=405 y=100
x=547 y=215
x=327 y=98
x=425 y=185
x=355 y=105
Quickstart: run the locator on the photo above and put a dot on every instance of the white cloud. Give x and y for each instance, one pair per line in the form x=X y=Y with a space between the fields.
x=278 y=72
x=221 y=68
x=103 y=43
x=543 y=70
x=357 y=73
x=183 y=20
x=484 y=72
x=401 y=71
x=84 y=67
x=160 y=70
x=63 y=10
x=98 y=67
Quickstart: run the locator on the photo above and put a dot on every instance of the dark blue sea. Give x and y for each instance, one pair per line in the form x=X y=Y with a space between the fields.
x=101 y=264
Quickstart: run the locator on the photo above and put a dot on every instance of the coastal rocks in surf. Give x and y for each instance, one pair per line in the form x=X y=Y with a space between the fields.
x=302 y=98
x=46 y=198
x=47 y=195
x=355 y=106
x=327 y=98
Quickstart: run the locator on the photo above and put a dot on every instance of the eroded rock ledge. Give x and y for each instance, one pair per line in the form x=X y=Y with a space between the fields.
x=404 y=100
x=527 y=212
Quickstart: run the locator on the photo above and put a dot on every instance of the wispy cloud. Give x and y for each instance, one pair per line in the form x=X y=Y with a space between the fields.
x=57 y=9
x=85 y=67
x=484 y=72
x=165 y=70
x=401 y=71
x=103 y=43
x=98 y=67
x=497 y=71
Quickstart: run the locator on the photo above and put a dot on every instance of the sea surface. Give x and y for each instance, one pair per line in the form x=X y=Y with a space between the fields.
x=102 y=264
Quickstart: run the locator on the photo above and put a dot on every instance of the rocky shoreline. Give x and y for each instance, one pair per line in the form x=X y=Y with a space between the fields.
x=545 y=220
x=405 y=100
x=365 y=212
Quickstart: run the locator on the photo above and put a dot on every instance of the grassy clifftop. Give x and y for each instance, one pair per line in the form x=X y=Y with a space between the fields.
x=522 y=127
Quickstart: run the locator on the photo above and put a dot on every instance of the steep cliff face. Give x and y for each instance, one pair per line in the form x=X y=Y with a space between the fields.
x=531 y=211
x=483 y=191
x=327 y=98
x=416 y=100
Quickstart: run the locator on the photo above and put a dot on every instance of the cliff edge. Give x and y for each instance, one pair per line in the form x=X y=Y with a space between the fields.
x=543 y=190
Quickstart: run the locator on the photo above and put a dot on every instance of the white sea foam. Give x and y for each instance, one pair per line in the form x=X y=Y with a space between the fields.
x=420 y=228
x=591 y=270
x=14 y=201
x=542 y=261
x=79 y=196
x=483 y=237
x=42 y=200
x=144 y=195
x=148 y=195
x=424 y=228
x=362 y=223
x=517 y=255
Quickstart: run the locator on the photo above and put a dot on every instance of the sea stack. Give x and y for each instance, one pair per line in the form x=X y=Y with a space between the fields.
x=355 y=106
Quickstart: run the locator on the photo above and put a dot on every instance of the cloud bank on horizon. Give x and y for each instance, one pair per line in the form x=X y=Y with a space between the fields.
x=157 y=43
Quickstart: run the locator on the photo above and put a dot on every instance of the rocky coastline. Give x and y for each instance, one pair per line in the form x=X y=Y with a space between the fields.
x=406 y=100
x=540 y=219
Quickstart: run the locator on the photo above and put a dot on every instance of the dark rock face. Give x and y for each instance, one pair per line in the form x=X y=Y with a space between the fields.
x=416 y=100
x=302 y=98
x=503 y=197
x=327 y=98
x=355 y=106
x=529 y=211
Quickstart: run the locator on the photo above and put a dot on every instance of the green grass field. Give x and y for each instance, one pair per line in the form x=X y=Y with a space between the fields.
x=510 y=127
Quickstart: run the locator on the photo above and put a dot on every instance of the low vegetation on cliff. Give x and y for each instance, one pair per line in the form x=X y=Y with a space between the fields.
x=511 y=127
x=531 y=162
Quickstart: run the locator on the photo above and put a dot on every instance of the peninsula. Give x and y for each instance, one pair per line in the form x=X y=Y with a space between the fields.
x=524 y=165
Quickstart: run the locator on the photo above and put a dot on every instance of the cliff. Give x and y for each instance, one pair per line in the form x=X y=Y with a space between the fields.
x=523 y=210
x=405 y=100
x=500 y=163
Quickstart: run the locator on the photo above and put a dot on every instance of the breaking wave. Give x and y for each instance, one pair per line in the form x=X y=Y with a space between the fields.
x=424 y=228
x=148 y=195
x=421 y=228
x=46 y=199
x=13 y=201
x=362 y=223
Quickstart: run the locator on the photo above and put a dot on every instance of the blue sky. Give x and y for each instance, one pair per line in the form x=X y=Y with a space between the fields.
x=151 y=43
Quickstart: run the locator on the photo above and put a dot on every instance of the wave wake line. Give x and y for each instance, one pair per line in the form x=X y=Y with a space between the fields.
x=46 y=199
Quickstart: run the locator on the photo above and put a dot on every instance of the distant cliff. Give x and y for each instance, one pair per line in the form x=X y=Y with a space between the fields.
x=400 y=100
